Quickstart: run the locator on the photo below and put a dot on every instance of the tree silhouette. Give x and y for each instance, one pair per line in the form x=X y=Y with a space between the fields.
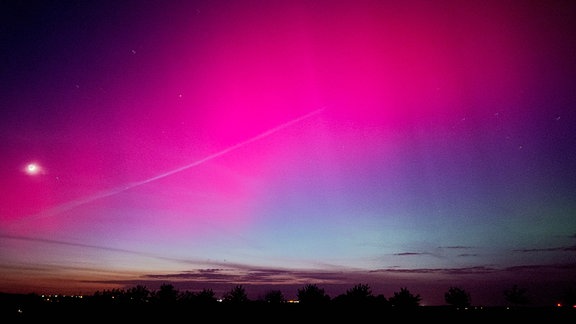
x=312 y=294
x=236 y=295
x=404 y=299
x=274 y=297
x=138 y=294
x=110 y=296
x=187 y=297
x=516 y=296
x=167 y=294
x=457 y=297
x=206 y=297
x=359 y=294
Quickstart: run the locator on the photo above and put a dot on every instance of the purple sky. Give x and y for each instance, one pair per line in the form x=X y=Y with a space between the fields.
x=418 y=144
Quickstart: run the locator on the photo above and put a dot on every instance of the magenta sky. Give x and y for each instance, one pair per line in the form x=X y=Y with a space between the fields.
x=419 y=144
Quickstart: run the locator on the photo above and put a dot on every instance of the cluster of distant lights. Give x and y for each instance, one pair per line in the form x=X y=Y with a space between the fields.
x=53 y=298
x=221 y=300
x=56 y=297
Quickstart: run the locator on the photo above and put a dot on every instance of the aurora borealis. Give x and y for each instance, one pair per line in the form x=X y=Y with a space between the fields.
x=276 y=143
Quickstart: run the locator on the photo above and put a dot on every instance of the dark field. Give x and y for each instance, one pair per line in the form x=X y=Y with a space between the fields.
x=21 y=310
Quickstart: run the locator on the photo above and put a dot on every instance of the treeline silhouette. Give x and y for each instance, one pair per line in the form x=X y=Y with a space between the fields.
x=357 y=303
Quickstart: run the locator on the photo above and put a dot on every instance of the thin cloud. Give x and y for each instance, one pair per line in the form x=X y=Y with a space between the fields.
x=539 y=267
x=410 y=253
x=458 y=247
x=235 y=270
x=554 y=249
x=112 y=249
x=90 y=246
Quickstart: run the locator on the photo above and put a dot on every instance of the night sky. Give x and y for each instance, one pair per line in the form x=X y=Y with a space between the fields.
x=272 y=144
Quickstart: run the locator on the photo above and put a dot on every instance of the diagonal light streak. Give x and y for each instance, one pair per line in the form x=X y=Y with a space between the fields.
x=107 y=193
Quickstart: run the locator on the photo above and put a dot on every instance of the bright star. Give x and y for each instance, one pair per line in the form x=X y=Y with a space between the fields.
x=32 y=169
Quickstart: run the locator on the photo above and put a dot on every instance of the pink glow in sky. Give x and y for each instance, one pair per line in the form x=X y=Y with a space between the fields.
x=399 y=143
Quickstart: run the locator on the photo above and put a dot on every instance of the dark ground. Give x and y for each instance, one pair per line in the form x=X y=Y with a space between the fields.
x=19 y=309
